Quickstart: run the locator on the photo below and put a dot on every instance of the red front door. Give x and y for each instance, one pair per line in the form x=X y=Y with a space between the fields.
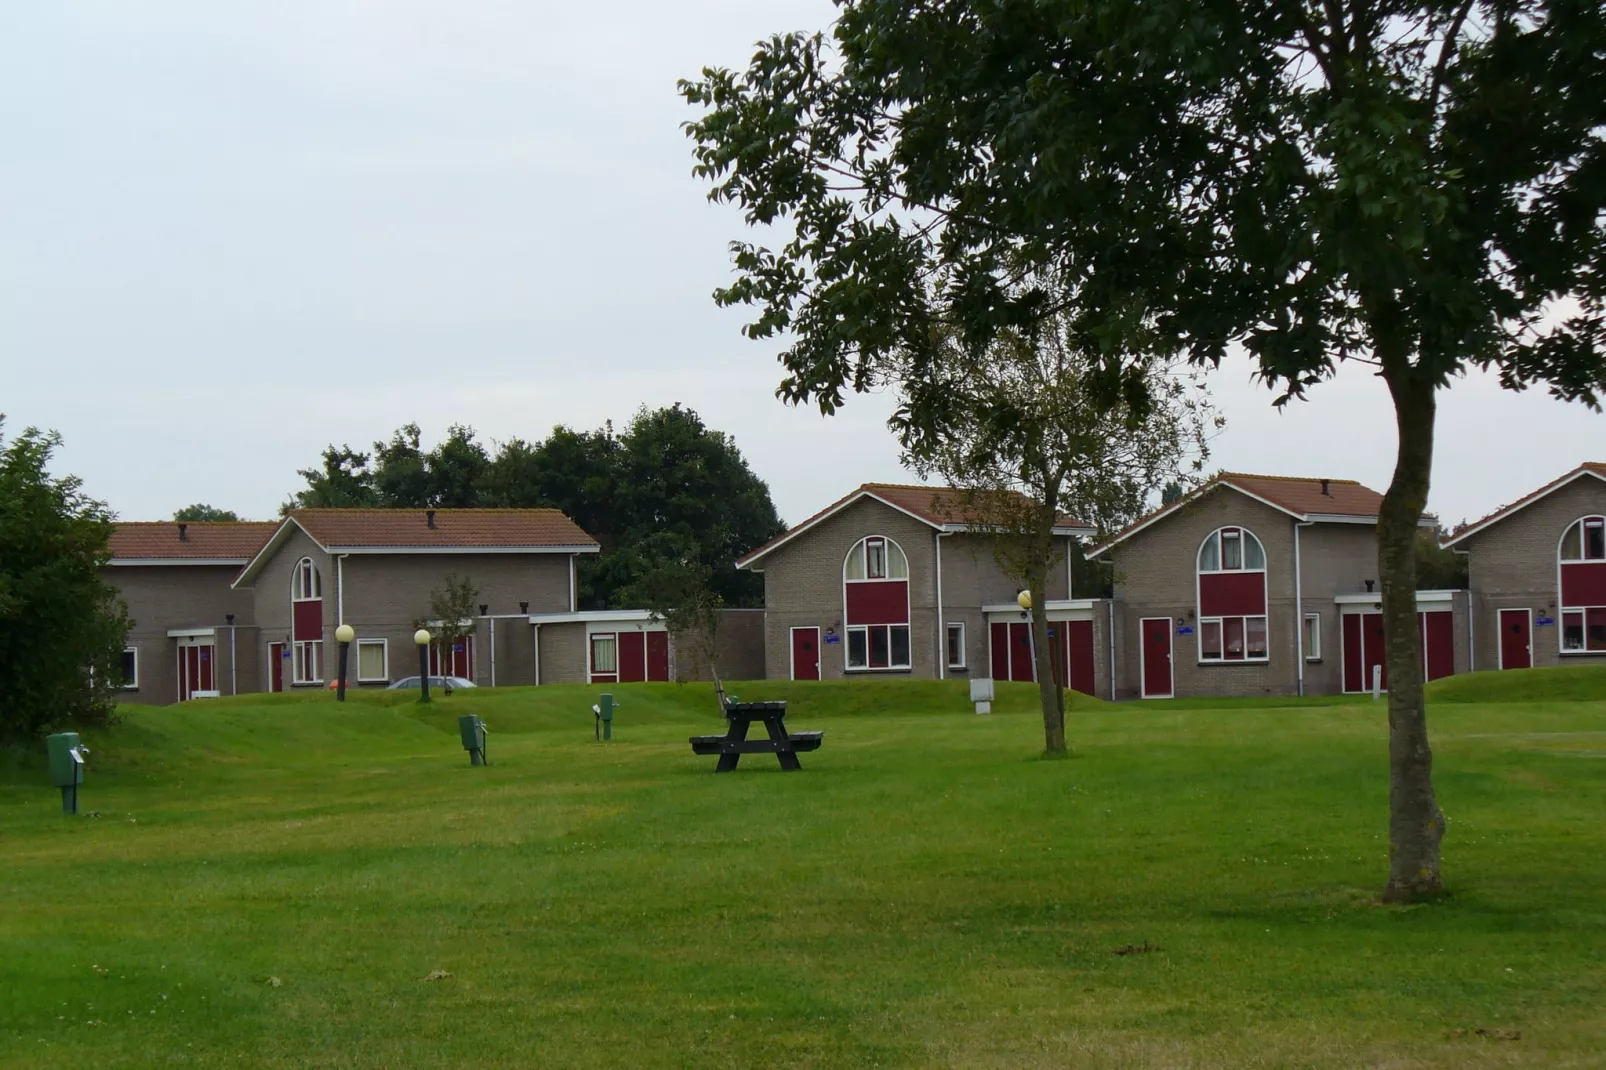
x=1438 y=643
x=805 y=653
x=1022 y=669
x=1079 y=654
x=1156 y=657
x=194 y=670
x=632 y=657
x=275 y=666
x=1516 y=649
x=658 y=656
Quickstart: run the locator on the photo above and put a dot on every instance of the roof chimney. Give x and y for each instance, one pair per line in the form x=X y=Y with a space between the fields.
x=429 y=517
x=1327 y=488
x=183 y=533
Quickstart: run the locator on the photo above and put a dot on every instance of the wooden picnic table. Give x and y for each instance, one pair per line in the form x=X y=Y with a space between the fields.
x=734 y=743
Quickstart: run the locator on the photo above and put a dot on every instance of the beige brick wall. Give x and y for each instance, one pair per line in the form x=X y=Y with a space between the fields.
x=160 y=597
x=1513 y=565
x=563 y=653
x=1155 y=576
x=803 y=588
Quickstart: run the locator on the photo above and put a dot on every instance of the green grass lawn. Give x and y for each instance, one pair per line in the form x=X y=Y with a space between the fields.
x=273 y=882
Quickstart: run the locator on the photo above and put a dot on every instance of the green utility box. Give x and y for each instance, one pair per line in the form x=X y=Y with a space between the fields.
x=473 y=731
x=604 y=711
x=67 y=767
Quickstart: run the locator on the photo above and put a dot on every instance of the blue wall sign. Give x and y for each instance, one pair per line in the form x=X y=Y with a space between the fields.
x=1184 y=629
x=1545 y=622
x=832 y=639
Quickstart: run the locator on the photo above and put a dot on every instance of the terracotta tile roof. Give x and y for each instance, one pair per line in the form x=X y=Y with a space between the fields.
x=202 y=540
x=1303 y=497
x=937 y=506
x=1595 y=468
x=454 y=528
x=1343 y=497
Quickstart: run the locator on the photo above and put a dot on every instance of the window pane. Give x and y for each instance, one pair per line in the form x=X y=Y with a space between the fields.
x=1232 y=631
x=900 y=645
x=1210 y=553
x=879 y=652
x=1595 y=627
x=1594 y=539
x=1572 y=546
x=855 y=566
x=1254 y=553
x=1255 y=631
x=897 y=563
x=956 y=646
x=1210 y=640
x=130 y=668
x=1313 y=636
x=602 y=654
x=1572 y=630
x=370 y=661
x=875 y=559
x=857 y=644
x=1231 y=551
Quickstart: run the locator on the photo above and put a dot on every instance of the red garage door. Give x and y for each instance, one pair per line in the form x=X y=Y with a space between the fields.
x=658 y=656
x=194 y=670
x=1438 y=643
x=632 y=657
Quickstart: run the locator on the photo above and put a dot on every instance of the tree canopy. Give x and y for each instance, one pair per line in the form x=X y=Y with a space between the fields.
x=202 y=512
x=1417 y=187
x=667 y=489
x=61 y=625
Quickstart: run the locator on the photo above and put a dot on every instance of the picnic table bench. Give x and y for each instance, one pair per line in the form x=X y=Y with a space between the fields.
x=739 y=717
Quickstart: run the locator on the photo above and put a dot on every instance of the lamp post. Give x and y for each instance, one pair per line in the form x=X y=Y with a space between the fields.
x=343 y=635
x=1024 y=600
x=421 y=637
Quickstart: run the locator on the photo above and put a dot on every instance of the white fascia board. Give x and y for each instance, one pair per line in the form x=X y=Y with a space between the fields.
x=272 y=545
x=986 y=529
x=1512 y=510
x=1187 y=499
x=587 y=549
x=214 y=561
x=1430 y=597
x=592 y=615
x=831 y=511
x=1054 y=605
x=190 y=633
x=1375 y=598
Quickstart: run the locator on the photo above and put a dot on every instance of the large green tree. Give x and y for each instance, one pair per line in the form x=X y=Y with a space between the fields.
x=1417 y=187
x=62 y=626
x=202 y=512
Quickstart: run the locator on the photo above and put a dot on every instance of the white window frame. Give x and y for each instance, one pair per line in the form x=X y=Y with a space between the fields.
x=131 y=685
x=1582 y=525
x=384 y=660
x=298 y=654
x=1245 y=536
x=298 y=592
x=591 y=651
x=948 y=648
x=891 y=666
x=1313 y=637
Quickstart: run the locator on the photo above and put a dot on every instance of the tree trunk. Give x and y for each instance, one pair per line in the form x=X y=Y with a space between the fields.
x=1416 y=825
x=1043 y=660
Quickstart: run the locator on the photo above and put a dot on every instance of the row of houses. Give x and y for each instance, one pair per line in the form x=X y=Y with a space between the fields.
x=1250 y=585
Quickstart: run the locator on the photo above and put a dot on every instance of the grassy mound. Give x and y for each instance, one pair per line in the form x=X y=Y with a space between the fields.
x=1561 y=683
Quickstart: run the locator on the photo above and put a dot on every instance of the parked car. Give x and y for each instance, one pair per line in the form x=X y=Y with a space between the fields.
x=451 y=683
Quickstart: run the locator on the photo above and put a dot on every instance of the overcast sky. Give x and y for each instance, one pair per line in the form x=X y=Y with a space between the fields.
x=234 y=233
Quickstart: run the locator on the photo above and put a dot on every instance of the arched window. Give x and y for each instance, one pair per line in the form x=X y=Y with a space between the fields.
x=1581 y=564
x=875 y=605
x=1232 y=597
x=306 y=623
x=306 y=582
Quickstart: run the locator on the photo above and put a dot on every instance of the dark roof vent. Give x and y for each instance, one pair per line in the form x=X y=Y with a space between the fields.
x=1369 y=585
x=183 y=533
x=429 y=517
x=524 y=607
x=1327 y=485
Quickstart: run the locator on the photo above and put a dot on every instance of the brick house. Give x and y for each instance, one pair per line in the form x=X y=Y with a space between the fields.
x=894 y=580
x=375 y=568
x=191 y=630
x=1538 y=574
x=1263 y=585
